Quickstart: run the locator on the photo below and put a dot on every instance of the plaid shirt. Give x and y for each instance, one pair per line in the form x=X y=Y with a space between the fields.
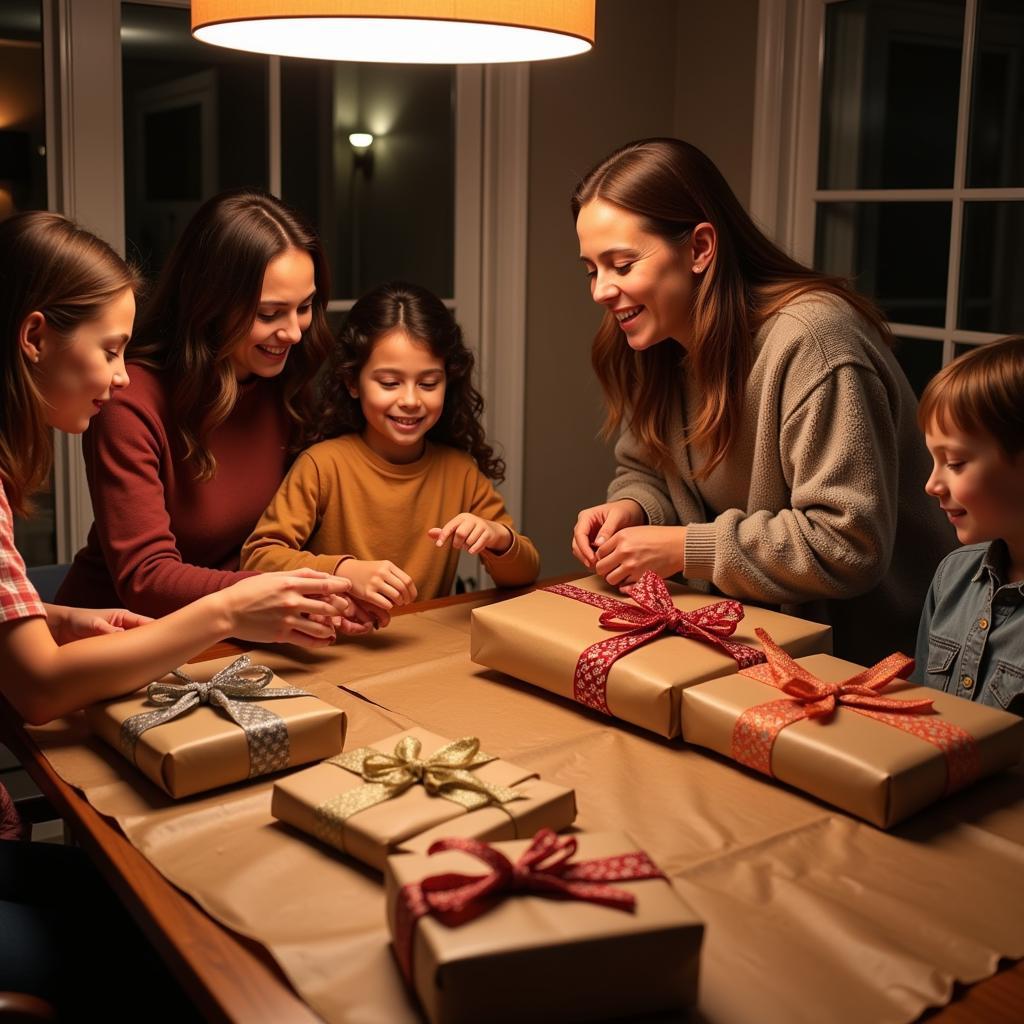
x=18 y=598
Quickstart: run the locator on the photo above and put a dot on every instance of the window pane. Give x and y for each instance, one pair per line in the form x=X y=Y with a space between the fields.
x=897 y=253
x=920 y=358
x=991 y=298
x=195 y=123
x=390 y=211
x=890 y=93
x=23 y=187
x=995 y=158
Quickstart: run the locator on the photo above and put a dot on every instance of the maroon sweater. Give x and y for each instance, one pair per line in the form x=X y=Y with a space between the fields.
x=160 y=538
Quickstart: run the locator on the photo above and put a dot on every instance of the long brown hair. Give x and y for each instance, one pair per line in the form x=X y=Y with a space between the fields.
x=982 y=392
x=204 y=305
x=428 y=320
x=674 y=187
x=49 y=265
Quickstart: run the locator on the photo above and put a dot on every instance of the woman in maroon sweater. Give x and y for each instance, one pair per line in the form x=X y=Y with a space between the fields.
x=182 y=464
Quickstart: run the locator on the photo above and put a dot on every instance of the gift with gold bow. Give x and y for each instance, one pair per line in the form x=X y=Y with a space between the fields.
x=407 y=790
x=218 y=722
x=859 y=738
x=577 y=927
x=629 y=653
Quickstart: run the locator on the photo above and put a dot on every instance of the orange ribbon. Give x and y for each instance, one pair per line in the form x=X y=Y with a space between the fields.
x=807 y=696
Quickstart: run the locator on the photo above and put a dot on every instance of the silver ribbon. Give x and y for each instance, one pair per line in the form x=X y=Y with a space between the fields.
x=230 y=689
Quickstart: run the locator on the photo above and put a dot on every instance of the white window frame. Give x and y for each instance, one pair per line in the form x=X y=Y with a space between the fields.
x=82 y=52
x=787 y=117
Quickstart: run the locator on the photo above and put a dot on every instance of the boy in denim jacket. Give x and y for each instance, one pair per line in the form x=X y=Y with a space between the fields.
x=971 y=638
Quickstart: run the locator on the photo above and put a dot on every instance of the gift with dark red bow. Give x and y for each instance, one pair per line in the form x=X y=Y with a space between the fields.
x=859 y=738
x=560 y=928
x=629 y=655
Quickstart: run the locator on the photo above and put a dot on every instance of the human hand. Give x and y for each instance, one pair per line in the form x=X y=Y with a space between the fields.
x=298 y=607
x=378 y=585
x=471 y=533
x=596 y=525
x=630 y=552
x=70 y=624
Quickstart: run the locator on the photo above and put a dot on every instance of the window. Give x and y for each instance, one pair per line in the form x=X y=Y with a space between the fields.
x=908 y=176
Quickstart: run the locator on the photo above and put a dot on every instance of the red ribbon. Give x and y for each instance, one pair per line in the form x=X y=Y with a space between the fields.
x=653 y=614
x=543 y=870
x=756 y=730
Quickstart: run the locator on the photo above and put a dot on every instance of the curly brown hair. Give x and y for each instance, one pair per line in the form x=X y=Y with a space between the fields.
x=427 y=319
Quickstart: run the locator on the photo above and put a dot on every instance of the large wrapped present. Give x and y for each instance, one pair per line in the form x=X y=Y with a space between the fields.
x=855 y=737
x=409 y=789
x=216 y=723
x=630 y=656
x=560 y=928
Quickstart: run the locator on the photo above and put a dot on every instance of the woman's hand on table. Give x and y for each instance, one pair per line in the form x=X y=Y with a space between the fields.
x=597 y=525
x=378 y=585
x=70 y=624
x=632 y=551
x=298 y=607
x=470 y=533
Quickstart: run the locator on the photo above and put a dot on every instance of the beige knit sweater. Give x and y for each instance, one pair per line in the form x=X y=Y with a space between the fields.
x=820 y=506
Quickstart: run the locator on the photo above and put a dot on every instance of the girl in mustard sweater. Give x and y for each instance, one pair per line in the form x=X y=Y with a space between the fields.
x=405 y=480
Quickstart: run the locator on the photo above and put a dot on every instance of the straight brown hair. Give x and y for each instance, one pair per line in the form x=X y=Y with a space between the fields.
x=49 y=265
x=204 y=304
x=981 y=392
x=673 y=186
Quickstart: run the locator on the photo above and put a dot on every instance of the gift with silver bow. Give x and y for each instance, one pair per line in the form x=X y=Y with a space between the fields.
x=407 y=790
x=218 y=722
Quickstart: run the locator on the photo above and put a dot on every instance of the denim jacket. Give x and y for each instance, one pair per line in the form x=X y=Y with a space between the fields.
x=971 y=638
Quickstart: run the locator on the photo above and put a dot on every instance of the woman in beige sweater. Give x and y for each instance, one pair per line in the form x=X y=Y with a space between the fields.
x=768 y=445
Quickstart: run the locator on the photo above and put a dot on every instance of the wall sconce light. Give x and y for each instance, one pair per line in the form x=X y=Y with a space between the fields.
x=362 y=154
x=400 y=31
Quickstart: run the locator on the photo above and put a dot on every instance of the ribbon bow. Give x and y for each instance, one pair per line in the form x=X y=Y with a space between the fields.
x=808 y=697
x=447 y=773
x=230 y=690
x=653 y=614
x=544 y=869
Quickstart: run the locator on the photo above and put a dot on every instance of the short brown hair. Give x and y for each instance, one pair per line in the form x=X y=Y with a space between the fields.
x=50 y=265
x=981 y=392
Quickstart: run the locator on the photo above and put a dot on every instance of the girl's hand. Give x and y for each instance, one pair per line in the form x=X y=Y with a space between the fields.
x=285 y=607
x=471 y=533
x=595 y=526
x=632 y=551
x=70 y=624
x=378 y=585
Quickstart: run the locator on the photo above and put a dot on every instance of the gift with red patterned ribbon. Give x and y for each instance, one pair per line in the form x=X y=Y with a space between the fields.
x=543 y=931
x=629 y=653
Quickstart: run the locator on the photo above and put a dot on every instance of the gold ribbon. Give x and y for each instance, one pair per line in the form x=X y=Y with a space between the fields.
x=447 y=773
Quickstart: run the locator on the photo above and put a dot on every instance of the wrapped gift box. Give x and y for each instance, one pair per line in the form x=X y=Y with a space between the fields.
x=875 y=770
x=204 y=748
x=539 y=638
x=316 y=801
x=530 y=957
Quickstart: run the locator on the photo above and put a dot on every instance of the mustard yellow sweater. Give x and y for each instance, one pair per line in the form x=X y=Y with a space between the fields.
x=341 y=499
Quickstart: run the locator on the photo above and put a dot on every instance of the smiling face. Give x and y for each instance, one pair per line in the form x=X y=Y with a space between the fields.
x=646 y=281
x=76 y=374
x=977 y=486
x=283 y=316
x=401 y=391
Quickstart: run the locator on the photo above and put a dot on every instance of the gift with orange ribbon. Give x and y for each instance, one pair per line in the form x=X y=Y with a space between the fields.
x=630 y=661
x=834 y=733
x=567 y=924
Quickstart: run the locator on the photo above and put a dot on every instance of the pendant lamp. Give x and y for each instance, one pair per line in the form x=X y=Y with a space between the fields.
x=400 y=31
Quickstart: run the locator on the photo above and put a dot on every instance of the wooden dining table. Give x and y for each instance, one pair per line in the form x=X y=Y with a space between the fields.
x=232 y=978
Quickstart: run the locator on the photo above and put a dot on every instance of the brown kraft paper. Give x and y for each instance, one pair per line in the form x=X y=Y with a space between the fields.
x=868 y=768
x=203 y=748
x=414 y=819
x=532 y=958
x=539 y=638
